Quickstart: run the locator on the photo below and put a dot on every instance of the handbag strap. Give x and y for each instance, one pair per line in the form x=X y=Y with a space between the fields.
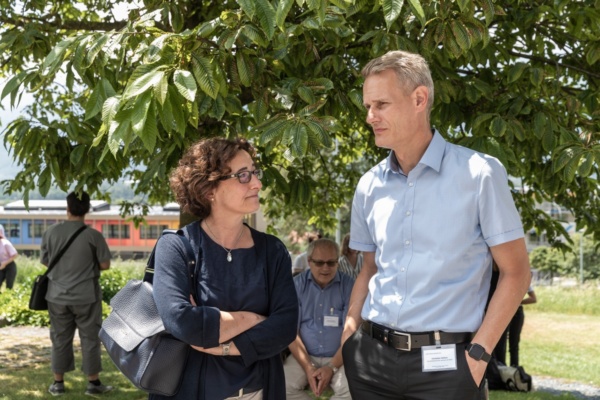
x=64 y=249
x=190 y=261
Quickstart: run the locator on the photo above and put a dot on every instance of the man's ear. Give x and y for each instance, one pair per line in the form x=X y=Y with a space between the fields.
x=420 y=96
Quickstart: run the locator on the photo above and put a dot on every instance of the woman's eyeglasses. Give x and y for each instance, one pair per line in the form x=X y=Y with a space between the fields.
x=244 y=176
x=320 y=263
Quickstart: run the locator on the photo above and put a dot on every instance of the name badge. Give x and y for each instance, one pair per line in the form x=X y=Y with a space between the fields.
x=442 y=358
x=331 y=320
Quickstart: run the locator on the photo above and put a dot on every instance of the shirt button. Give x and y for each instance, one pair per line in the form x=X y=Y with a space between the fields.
x=408 y=213
x=402 y=269
x=411 y=184
x=407 y=242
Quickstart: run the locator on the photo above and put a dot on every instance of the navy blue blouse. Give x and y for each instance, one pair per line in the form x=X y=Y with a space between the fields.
x=259 y=280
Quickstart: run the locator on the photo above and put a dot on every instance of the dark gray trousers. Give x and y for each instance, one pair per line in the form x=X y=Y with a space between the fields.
x=64 y=319
x=378 y=372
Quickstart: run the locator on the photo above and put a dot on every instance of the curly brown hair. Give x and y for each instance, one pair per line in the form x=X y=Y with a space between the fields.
x=200 y=169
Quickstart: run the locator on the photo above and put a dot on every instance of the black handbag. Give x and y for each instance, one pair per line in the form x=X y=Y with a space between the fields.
x=135 y=337
x=37 y=300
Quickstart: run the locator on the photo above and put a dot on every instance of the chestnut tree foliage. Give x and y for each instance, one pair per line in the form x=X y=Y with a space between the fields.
x=121 y=96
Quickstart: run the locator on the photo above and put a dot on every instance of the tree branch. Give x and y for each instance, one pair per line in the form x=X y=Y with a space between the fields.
x=552 y=62
x=66 y=25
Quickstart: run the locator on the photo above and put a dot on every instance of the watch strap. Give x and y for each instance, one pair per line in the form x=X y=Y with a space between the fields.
x=483 y=355
x=226 y=348
x=333 y=368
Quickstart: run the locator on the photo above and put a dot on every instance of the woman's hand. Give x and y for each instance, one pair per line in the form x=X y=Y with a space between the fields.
x=218 y=351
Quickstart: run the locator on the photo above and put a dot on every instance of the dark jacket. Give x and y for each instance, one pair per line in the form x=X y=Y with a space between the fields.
x=200 y=325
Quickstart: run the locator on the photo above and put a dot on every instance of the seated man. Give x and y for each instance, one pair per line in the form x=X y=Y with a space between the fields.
x=323 y=296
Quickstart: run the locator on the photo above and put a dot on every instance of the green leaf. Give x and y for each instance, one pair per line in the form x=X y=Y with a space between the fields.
x=185 y=84
x=306 y=94
x=571 y=168
x=204 y=75
x=488 y=11
x=95 y=48
x=77 y=154
x=256 y=35
x=536 y=76
x=464 y=5
x=498 y=127
x=480 y=119
x=55 y=58
x=515 y=72
x=139 y=112
x=391 y=11
x=593 y=54
x=248 y=7
x=266 y=16
x=160 y=89
x=283 y=9
x=356 y=98
x=586 y=166
x=273 y=129
x=143 y=83
x=319 y=7
x=149 y=134
x=539 y=124
x=548 y=140
x=13 y=84
x=418 y=11
x=461 y=34
x=45 y=181
x=299 y=140
x=101 y=92
x=243 y=68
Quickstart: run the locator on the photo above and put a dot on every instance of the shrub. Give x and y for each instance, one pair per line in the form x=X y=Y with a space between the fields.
x=14 y=304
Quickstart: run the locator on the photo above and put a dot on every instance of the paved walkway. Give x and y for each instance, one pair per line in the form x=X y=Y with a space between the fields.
x=21 y=346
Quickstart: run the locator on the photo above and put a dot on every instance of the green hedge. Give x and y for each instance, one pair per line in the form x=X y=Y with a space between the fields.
x=14 y=308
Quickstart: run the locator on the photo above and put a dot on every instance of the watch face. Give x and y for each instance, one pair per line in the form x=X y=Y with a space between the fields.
x=476 y=351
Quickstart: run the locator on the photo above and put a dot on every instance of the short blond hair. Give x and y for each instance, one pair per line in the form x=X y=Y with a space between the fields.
x=411 y=69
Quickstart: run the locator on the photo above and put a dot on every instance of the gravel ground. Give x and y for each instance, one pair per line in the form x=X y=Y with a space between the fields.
x=557 y=386
x=24 y=345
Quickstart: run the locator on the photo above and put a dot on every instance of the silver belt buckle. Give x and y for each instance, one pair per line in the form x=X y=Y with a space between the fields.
x=408 y=340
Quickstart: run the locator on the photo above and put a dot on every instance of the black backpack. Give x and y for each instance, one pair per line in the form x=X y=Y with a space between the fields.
x=503 y=377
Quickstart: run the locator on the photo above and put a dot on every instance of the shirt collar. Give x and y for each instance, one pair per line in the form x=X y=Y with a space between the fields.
x=336 y=278
x=432 y=158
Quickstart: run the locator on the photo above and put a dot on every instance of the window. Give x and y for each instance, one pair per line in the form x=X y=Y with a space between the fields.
x=114 y=231
x=152 y=231
x=12 y=229
x=37 y=228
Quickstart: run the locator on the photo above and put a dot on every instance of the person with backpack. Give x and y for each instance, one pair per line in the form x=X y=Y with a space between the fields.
x=247 y=308
x=74 y=294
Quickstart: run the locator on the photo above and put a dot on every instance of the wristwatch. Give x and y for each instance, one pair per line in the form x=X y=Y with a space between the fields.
x=225 y=347
x=477 y=352
x=334 y=369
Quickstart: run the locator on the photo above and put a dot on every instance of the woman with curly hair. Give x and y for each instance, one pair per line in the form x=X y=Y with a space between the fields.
x=247 y=312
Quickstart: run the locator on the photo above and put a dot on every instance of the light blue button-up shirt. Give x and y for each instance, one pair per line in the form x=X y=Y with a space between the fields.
x=321 y=338
x=431 y=232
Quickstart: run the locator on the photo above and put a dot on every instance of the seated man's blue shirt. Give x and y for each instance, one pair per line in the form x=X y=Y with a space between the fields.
x=315 y=304
x=431 y=231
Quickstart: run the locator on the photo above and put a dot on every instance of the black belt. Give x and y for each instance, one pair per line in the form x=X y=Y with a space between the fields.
x=408 y=341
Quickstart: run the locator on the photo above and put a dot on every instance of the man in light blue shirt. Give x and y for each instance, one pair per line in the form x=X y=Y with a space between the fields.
x=323 y=296
x=429 y=219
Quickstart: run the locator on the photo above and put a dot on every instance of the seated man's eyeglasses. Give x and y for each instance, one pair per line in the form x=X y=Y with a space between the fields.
x=244 y=176
x=320 y=263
